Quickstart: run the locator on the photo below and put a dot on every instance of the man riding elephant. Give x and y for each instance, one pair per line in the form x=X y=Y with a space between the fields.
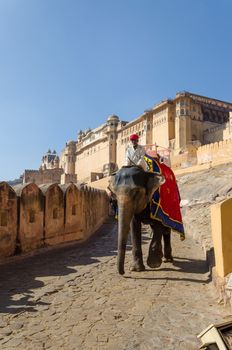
x=134 y=188
x=135 y=153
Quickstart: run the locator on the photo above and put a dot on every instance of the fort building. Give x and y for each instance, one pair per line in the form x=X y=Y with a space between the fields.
x=177 y=127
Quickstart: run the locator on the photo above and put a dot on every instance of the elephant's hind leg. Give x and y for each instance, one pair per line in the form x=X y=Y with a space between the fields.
x=167 y=245
x=137 y=264
x=155 y=254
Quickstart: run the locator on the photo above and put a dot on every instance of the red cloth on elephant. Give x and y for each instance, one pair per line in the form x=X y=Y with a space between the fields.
x=165 y=205
x=169 y=194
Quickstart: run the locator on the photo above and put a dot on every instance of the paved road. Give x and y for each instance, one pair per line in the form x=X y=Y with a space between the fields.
x=73 y=298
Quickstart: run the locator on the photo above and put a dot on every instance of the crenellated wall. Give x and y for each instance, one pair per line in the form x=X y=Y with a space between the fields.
x=34 y=216
x=216 y=153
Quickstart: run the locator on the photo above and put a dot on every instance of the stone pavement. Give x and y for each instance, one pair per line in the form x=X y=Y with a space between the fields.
x=72 y=298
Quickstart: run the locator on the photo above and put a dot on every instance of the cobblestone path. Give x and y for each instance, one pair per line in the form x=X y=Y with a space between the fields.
x=73 y=298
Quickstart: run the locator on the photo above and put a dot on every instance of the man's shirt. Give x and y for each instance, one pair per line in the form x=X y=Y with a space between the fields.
x=134 y=156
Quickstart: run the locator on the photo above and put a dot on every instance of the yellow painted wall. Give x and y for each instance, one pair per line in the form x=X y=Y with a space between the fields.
x=222 y=236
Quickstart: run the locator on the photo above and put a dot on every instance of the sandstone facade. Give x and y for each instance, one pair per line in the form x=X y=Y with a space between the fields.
x=176 y=127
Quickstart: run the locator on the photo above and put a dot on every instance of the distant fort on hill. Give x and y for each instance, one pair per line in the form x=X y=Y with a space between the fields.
x=180 y=128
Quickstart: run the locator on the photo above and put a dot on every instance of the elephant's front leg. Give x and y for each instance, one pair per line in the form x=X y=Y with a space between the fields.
x=136 y=245
x=155 y=254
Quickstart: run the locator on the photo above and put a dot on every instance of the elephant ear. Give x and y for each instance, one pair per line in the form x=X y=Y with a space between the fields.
x=154 y=180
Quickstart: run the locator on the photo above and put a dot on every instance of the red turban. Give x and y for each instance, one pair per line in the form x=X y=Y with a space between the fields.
x=134 y=137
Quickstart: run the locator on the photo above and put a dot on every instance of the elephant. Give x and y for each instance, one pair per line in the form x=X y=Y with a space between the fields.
x=134 y=188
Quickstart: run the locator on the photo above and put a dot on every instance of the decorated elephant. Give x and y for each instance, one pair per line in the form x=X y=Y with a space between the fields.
x=138 y=194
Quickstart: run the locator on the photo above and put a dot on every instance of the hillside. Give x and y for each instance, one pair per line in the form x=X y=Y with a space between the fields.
x=15 y=182
x=198 y=192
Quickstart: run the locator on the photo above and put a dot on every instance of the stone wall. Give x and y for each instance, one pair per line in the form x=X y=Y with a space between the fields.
x=217 y=153
x=42 y=176
x=214 y=154
x=214 y=134
x=34 y=216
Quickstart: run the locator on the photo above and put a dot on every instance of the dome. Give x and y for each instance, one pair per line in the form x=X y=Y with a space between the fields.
x=70 y=142
x=113 y=117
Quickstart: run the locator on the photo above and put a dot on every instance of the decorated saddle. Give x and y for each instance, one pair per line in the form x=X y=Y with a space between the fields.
x=164 y=205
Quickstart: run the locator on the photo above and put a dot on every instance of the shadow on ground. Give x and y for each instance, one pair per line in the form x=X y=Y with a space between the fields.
x=181 y=265
x=19 y=276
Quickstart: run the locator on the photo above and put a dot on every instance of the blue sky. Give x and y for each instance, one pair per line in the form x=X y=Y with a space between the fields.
x=66 y=65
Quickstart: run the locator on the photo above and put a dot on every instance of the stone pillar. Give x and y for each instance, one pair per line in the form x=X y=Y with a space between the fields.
x=222 y=236
x=112 y=124
x=70 y=157
x=182 y=132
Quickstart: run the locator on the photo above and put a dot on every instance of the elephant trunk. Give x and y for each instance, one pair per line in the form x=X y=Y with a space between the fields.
x=125 y=214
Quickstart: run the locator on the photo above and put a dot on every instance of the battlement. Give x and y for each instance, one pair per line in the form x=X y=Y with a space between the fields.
x=33 y=217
